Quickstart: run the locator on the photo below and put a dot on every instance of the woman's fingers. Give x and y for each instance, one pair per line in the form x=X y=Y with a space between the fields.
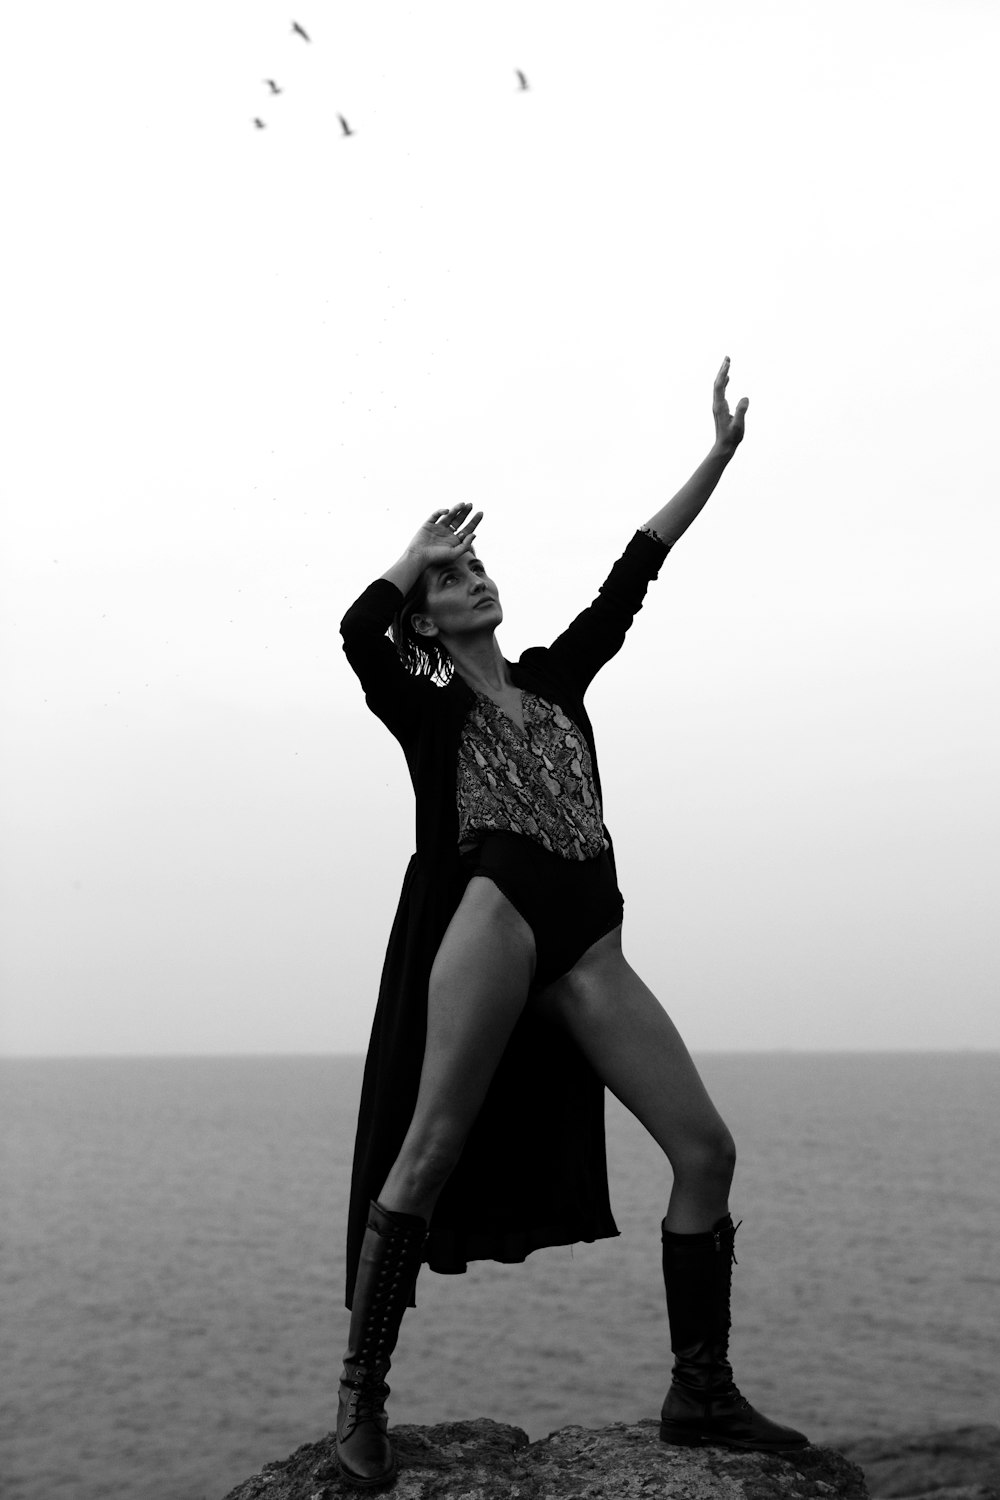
x=471 y=524
x=721 y=381
x=449 y=510
x=459 y=519
x=459 y=525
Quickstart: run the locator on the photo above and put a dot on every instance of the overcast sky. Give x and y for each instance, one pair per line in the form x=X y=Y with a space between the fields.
x=242 y=365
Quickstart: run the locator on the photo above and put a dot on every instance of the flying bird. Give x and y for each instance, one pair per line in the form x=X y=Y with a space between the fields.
x=259 y=123
x=521 y=78
x=272 y=85
x=301 y=32
x=345 y=127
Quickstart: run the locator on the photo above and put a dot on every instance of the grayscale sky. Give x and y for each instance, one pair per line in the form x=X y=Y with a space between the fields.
x=241 y=366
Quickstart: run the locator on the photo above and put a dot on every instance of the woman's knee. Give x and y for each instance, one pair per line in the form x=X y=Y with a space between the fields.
x=726 y=1148
x=709 y=1154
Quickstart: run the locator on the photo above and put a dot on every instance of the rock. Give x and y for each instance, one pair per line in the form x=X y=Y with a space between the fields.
x=962 y=1463
x=484 y=1460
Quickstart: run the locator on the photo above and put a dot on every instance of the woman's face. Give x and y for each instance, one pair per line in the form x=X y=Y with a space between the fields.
x=461 y=599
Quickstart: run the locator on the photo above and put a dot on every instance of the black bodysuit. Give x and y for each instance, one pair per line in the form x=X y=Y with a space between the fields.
x=529 y=819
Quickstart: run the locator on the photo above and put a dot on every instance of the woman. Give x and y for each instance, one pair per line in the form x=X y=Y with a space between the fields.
x=506 y=1005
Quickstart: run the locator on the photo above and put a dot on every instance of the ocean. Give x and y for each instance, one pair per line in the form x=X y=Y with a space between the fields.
x=172 y=1271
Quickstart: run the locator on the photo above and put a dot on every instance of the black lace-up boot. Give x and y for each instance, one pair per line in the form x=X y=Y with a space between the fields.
x=390 y=1259
x=703 y=1404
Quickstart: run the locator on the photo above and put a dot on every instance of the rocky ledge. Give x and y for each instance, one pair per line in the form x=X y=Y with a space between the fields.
x=484 y=1460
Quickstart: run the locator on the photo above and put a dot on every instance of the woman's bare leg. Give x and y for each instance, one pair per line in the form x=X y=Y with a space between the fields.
x=635 y=1047
x=637 y=1051
x=479 y=983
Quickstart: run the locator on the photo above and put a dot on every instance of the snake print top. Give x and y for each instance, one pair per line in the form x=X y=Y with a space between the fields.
x=539 y=783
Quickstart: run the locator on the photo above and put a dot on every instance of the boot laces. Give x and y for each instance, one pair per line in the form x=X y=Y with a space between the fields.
x=366 y=1402
x=388 y=1293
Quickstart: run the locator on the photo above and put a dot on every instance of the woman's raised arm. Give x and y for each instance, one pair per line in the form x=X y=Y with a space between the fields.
x=676 y=516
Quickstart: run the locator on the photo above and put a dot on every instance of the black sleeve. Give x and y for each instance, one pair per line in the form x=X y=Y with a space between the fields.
x=598 y=633
x=393 y=694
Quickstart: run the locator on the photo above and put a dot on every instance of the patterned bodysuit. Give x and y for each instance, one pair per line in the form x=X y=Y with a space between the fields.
x=539 y=783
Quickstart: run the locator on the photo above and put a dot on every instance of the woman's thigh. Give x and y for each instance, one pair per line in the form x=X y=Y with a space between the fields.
x=479 y=984
x=637 y=1051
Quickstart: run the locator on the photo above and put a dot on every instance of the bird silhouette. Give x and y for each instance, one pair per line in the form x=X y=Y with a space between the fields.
x=301 y=32
x=521 y=78
x=259 y=122
x=272 y=85
x=345 y=127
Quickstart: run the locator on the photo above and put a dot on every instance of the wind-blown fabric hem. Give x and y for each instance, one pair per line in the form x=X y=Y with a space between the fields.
x=449 y=1252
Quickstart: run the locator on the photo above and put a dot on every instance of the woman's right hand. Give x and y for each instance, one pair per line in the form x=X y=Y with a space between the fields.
x=444 y=537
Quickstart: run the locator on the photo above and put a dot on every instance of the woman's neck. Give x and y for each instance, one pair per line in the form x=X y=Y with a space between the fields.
x=481 y=664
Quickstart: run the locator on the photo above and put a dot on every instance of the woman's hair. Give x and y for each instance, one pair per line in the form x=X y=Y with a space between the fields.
x=423 y=656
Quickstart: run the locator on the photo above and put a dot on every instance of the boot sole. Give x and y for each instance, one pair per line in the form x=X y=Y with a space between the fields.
x=359 y=1482
x=680 y=1437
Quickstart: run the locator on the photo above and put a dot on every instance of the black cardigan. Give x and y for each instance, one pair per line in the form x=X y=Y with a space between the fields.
x=534 y=1170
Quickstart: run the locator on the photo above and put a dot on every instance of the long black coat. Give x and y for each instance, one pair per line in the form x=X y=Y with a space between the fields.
x=534 y=1170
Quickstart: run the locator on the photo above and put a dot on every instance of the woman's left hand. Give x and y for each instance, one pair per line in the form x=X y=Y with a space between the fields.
x=728 y=426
